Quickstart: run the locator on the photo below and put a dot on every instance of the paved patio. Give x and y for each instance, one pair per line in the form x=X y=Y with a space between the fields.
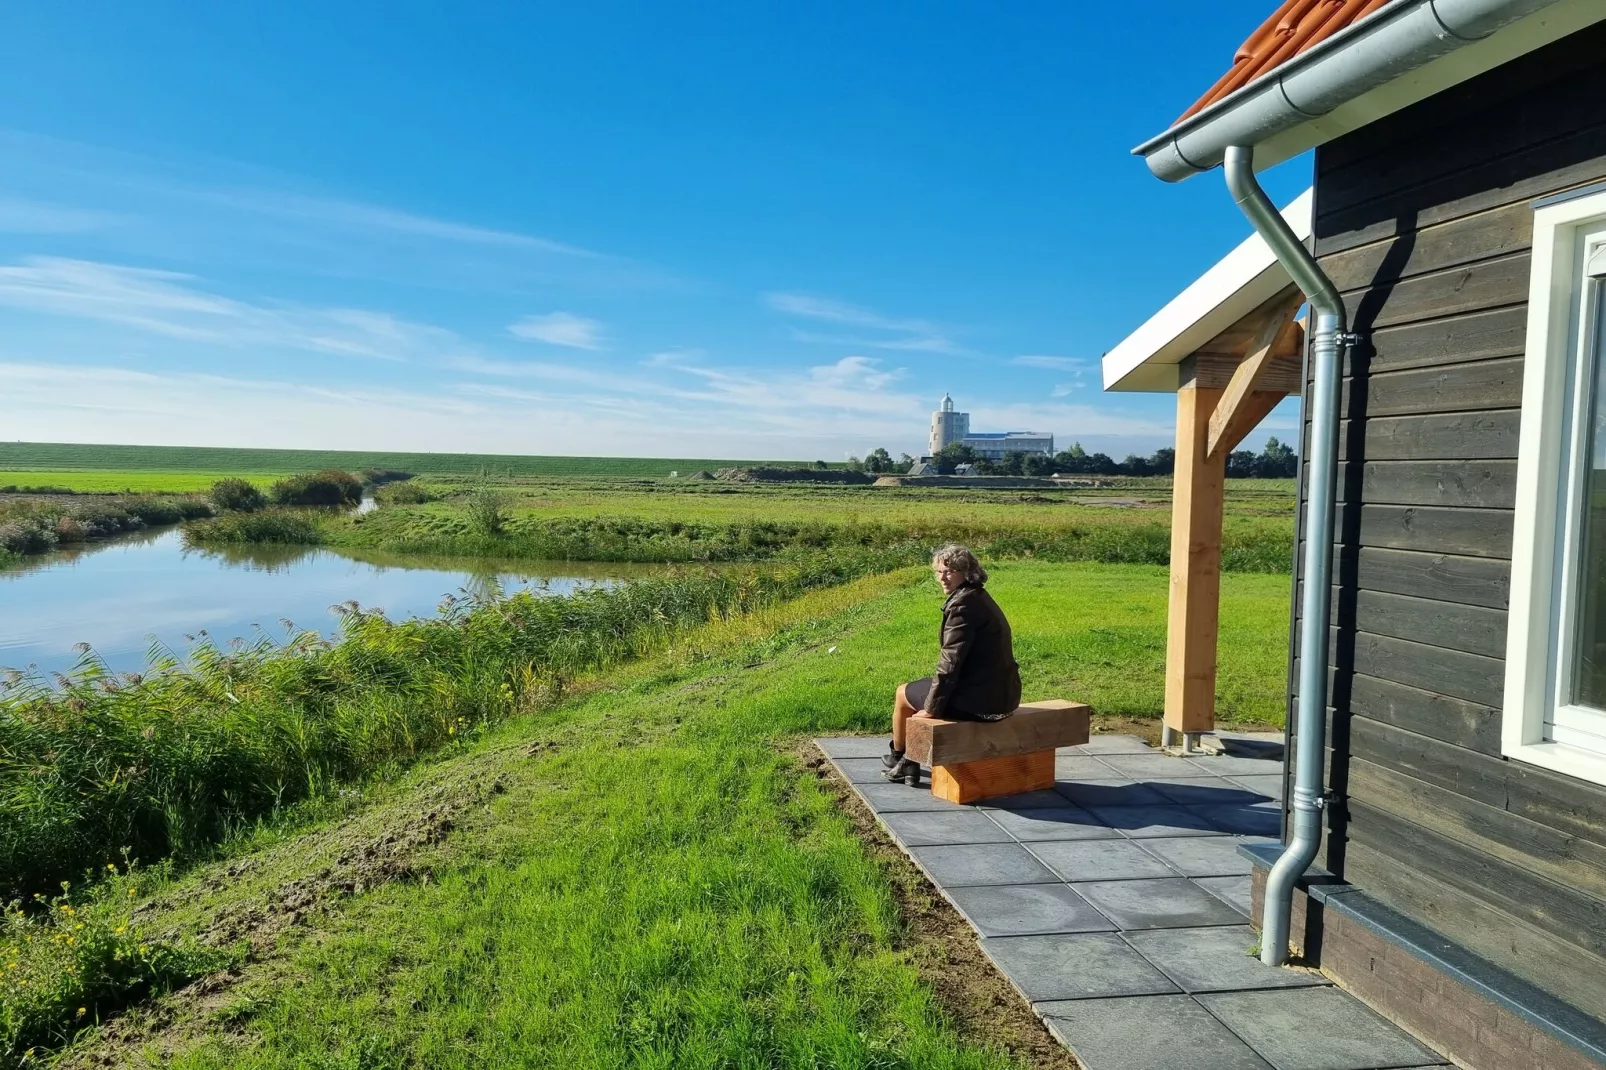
x=1118 y=905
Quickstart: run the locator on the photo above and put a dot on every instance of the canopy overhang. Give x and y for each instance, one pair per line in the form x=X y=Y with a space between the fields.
x=1215 y=316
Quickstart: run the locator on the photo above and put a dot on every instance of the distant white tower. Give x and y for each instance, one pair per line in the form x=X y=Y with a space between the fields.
x=947 y=425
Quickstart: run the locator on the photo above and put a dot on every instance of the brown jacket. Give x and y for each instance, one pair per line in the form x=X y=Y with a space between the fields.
x=976 y=673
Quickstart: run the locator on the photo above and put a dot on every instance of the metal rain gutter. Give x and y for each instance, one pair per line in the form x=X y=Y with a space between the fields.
x=1329 y=339
x=1383 y=46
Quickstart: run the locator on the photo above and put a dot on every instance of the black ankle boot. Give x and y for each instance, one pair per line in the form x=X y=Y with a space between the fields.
x=892 y=757
x=906 y=771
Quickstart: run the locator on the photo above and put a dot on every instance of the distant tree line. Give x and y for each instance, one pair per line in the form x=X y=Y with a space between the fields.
x=1276 y=461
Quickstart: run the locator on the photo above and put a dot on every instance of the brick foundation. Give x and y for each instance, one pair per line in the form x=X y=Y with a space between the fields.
x=1416 y=994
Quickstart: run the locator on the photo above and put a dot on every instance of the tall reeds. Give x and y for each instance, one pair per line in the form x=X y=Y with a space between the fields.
x=165 y=764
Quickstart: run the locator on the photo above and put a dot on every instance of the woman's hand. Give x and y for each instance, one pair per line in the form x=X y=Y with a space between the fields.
x=921 y=713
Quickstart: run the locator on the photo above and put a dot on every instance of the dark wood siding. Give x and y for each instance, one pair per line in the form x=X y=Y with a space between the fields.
x=1425 y=223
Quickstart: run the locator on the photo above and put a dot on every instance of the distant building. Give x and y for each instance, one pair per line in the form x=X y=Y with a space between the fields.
x=949 y=427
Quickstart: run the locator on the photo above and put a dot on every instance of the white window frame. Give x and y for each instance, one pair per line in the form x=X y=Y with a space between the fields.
x=1554 y=438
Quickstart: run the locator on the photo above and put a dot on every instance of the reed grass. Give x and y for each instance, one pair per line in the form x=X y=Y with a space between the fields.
x=1249 y=545
x=166 y=764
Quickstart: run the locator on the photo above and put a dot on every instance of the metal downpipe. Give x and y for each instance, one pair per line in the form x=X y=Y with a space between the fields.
x=1329 y=337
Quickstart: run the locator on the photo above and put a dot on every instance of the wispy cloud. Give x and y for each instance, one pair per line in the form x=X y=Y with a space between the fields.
x=356 y=215
x=911 y=335
x=234 y=215
x=19 y=215
x=1037 y=360
x=167 y=303
x=559 y=329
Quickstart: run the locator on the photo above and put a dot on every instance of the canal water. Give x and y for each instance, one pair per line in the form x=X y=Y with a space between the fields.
x=122 y=595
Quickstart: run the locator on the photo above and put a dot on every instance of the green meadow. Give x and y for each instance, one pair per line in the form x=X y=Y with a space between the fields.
x=19 y=458
x=557 y=831
x=642 y=871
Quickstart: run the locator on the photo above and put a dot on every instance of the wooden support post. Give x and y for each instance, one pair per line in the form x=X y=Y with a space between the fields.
x=1191 y=625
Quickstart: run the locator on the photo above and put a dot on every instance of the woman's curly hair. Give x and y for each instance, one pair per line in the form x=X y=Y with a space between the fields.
x=961 y=560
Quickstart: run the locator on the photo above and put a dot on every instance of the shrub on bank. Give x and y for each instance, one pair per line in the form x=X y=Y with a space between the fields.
x=33 y=527
x=331 y=486
x=238 y=495
x=408 y=493
x=281 y=526
x=165 y=764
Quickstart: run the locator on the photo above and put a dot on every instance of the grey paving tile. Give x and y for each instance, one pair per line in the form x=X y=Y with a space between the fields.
x=1163 y=903
x=1200 y=856
x=854 y=746
x=1027 y=909
x=1316 y=1029
x=1215 y=959
x=896 y=798
x=1100 y=860
x=1268 y=785
x=1147 y=1033
x=1164 y=820
x=1081 y=767
x=1053 y=823
x=861 y=770
x=1233 y=891
x=1246 y=819
x=1026 y=800
x=1114 y=792
x=1204 y=791
x=982 y=863
x=1230 y=765
x=1111 y=744
x=1080 y=966
x=1150 y=766
x=932 y=829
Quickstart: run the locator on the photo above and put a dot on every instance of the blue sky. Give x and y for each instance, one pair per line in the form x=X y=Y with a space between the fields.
x=628 y=229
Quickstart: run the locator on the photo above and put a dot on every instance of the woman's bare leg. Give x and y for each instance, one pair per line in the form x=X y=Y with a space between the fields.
x=901 y=712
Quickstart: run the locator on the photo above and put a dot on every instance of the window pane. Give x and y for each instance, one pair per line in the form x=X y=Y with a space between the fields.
x=1589 y=658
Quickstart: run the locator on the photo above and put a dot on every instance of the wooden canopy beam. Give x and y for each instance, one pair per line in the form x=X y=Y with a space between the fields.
x=1235 y=415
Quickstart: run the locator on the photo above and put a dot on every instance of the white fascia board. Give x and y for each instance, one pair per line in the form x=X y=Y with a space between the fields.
x=1243 y=280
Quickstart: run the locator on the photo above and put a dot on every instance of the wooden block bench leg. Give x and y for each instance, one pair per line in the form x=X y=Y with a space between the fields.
x=991 y=777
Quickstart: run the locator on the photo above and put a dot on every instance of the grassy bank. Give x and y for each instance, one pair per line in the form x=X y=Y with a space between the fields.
x=643 y=876
x=35 y=526
x=167 y=764
x=639 y=875
x=1250 y=544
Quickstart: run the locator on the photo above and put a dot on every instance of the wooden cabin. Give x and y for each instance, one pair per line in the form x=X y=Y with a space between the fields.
x=1458 y=204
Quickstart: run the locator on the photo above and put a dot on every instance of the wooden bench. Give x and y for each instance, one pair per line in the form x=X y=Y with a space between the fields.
x=971 y=760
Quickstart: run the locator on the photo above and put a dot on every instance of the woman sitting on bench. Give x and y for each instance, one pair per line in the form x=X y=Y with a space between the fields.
x=977 y=678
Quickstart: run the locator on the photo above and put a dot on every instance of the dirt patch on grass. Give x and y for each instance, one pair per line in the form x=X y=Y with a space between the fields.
x=390 y=843
x=983 y=1006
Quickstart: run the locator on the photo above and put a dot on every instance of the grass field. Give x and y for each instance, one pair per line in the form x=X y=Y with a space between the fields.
x=644 y=876
x=22 y=457
x=128 y=482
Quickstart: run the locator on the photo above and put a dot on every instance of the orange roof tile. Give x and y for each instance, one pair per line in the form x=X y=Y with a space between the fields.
x=1294 y=27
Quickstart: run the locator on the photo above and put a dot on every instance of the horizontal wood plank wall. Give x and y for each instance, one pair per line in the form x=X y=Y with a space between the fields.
x=1424 y=221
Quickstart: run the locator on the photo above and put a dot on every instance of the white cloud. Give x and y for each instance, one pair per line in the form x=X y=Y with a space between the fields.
x=560 y=329
x=164 y=303
x=53 y=402
x=913 y=335
x=1040 y=361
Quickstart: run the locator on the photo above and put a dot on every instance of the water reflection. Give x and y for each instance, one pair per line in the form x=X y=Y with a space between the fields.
x=126 y=595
